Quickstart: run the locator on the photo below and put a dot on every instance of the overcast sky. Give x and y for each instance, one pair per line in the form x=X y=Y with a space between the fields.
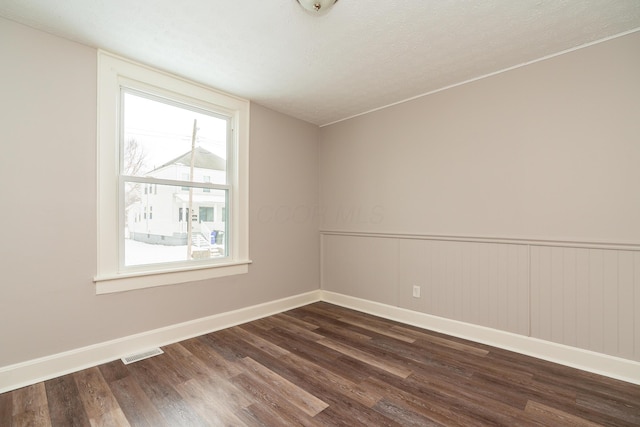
x=165 y=130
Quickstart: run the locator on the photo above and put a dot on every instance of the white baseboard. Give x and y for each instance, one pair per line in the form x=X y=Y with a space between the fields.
x=610 y=366
x=33 y=371
x=26 y=373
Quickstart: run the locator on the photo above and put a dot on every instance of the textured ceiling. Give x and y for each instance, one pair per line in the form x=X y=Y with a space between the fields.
x=360 y=56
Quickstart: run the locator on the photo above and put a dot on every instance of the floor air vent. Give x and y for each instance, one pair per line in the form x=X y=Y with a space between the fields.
x=139 y=356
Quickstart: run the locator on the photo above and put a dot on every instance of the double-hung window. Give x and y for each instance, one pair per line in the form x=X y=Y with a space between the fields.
x=171 y=153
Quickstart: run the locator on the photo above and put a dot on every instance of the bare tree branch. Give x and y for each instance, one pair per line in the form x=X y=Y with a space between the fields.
x=134 y=159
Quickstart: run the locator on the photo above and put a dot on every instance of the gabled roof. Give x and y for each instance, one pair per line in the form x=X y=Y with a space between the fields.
x=203 y=159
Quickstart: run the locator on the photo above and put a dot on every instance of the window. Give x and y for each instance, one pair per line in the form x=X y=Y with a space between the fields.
x=206 y=214
x=170 y=154
x=185 y=177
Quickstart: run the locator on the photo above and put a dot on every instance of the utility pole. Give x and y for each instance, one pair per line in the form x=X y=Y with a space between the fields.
x=189 y=214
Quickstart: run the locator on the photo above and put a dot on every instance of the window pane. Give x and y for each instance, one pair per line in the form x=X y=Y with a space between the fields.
x=157 y=141
x=159 y=228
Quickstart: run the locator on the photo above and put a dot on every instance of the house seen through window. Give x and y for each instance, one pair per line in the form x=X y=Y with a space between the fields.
x=174 y=182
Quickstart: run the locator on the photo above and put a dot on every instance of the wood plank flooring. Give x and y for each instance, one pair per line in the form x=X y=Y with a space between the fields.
x=323 y=365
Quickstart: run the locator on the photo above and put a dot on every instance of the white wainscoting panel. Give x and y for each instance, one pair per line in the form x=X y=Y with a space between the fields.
x=364 y=267
x=579 y=294
x=485 y=284
x=587 y=298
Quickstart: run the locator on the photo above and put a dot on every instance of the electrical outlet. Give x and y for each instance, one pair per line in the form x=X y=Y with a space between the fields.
x=416 y=291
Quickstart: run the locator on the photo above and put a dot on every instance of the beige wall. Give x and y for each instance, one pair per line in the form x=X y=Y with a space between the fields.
x=48 y=215
x=547 y=154
x=550 y=150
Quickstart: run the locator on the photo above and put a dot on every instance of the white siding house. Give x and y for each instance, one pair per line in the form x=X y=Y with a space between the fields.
x=159 y=213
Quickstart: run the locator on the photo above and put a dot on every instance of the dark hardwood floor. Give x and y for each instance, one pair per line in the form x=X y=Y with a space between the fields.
x=323 y=365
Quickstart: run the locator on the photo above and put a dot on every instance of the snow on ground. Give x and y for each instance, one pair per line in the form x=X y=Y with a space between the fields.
x=138 y=253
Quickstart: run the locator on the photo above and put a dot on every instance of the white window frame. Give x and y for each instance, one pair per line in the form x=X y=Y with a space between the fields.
x=115 y=72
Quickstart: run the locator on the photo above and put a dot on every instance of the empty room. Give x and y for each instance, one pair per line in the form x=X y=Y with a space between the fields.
x=320 y=213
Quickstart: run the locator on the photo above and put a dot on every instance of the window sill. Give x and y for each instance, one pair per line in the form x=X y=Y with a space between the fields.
x=107 y=284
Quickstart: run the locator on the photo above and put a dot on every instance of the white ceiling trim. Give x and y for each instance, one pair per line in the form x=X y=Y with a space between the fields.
x=524 y=64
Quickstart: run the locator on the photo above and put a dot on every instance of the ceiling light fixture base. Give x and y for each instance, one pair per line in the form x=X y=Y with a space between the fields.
x=317 y=7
